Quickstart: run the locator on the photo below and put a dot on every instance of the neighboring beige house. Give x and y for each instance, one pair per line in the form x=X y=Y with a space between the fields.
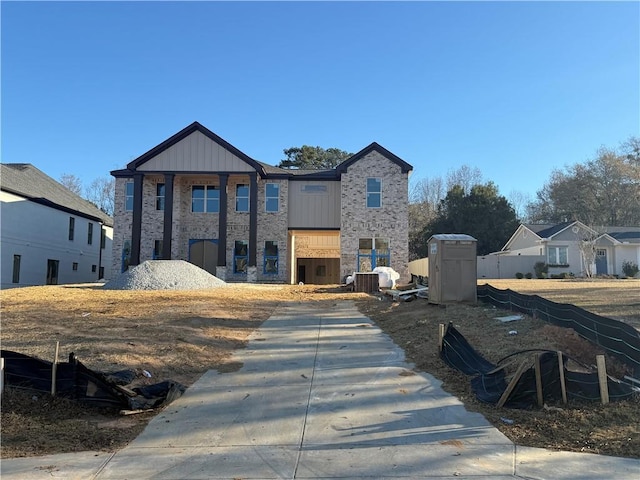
x=196 y=197
x=560 y=244
x=49 y=234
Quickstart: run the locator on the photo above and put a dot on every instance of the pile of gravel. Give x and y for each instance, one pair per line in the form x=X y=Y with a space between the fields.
x=164 y=275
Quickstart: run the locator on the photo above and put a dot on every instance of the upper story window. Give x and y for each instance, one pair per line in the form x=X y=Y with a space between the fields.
x=272 y=197
x=374 y=192
x=160 y=196
x=242 y=198
x=128 y=196
x=90 y=233
x=72 y=227
x=103 y=238
x=205 y=199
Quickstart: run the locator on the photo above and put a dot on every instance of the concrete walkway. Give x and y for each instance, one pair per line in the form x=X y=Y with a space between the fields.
x=322 y=394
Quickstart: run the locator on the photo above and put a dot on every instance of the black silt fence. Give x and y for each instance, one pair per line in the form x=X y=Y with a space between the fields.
x=489 y=381
x=615 y=337
x=76 y=381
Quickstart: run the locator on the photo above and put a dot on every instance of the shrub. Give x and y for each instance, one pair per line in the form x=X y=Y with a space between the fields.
x=528 y=275
x=519 y=275
x=541 y=269
x=630 y=269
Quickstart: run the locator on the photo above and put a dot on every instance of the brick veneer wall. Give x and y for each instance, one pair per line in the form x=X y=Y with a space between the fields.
x=389 y=222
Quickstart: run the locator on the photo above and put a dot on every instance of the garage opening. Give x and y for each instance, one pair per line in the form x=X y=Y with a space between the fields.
x=318 y=271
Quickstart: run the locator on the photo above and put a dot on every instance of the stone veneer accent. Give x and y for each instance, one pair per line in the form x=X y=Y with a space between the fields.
x=390 y=221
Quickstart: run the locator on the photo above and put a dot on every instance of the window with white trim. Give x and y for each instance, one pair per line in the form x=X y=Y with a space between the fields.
x=374 y=192
x=159 y=196
x=205 y=199
x=272 y=197
x=557 y=256
x=128 y=196
x=242 y=197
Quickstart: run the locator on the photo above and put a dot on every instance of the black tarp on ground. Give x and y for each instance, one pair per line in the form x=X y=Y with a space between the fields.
x=489 y=382
x=617 y=338
x=75 y=381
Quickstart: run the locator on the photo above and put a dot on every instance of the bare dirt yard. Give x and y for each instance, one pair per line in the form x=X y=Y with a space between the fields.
x=179 y=335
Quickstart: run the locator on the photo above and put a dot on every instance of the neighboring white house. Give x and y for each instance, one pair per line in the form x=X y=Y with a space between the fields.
x=49 y=235
x=560 y=245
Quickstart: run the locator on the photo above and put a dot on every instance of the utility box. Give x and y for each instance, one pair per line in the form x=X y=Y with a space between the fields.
x=366 y=282
x=453 y=268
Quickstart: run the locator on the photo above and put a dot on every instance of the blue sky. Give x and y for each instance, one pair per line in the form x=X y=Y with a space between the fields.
x=512 y=88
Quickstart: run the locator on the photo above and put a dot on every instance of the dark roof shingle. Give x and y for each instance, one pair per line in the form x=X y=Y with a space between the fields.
x=27 y=181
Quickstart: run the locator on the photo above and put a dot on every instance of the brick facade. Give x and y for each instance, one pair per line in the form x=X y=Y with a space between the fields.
x=389 y=222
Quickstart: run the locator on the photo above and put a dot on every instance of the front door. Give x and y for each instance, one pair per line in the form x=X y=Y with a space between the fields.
x=601 y=261
x=204 y=254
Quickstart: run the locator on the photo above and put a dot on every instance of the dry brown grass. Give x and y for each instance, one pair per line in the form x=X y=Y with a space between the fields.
x=180 y=335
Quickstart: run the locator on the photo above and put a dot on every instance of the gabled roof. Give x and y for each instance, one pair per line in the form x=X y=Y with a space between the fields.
x=25 y=180
x=182 y=134
x=405 y=167
x=265 y=170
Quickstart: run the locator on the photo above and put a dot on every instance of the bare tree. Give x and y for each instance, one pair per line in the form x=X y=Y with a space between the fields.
x=588 y=245
x=101 y=193
x=465 y=176
x=519 y=201
x=72 y=182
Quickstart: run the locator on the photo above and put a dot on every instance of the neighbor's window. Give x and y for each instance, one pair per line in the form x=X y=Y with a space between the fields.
x=103 y=238
x=240 y=256
x=16 y=269
x=72 y=227
x=74 y=266
x=90 y=233
x=242 y=198
x=205 y=199
x=272 y=197
x=557 y=256
x=374 y=192
x=159 y=196
x=271 y=258
x=157 y=249
x=128 y=196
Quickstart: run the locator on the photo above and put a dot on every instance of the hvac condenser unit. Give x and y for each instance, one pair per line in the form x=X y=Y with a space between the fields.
x=453 y=267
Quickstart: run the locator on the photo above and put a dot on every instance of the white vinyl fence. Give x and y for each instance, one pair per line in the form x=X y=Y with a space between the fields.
x=489 y=266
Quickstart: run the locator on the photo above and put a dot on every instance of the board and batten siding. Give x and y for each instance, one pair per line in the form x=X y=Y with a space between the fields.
x=197 y=153
x=314 y=204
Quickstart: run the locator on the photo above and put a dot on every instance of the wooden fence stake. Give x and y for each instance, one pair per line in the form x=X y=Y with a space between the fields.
x=563 y=385
x=440 y=336
x=512 y=384
x=54 y=370
x=538 y=374
x=602 y=379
